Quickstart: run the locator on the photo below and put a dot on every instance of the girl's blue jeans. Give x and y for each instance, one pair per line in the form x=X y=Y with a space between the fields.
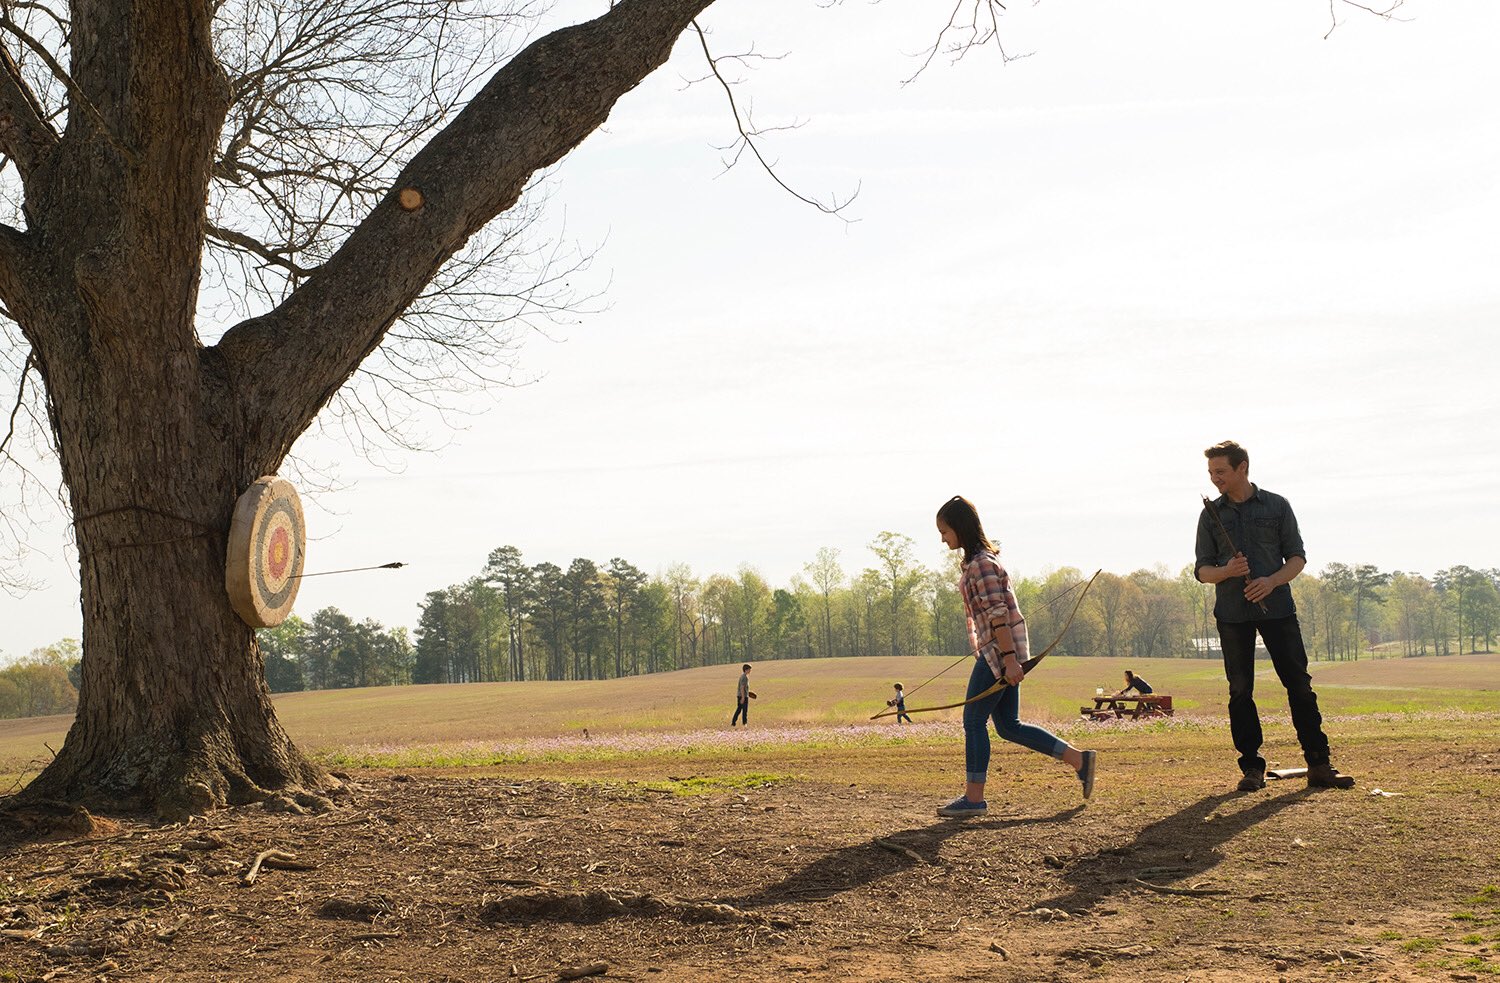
x=1005 y=708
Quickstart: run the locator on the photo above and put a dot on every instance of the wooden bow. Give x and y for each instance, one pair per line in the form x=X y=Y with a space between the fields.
x=1025 y=668
x=1233 y=549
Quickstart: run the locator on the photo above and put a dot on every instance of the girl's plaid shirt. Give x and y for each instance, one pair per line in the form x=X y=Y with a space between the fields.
x=985 y=587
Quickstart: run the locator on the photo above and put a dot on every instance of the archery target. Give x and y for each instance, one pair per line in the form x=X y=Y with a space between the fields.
x=267 y=547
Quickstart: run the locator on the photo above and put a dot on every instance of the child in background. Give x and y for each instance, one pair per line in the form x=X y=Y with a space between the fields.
x=900 y=704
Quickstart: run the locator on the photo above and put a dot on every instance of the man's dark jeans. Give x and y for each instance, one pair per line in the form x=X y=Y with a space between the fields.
x=1283 y=638
x=741 y=712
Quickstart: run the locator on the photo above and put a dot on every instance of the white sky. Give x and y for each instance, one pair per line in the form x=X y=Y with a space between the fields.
x=1174 y=223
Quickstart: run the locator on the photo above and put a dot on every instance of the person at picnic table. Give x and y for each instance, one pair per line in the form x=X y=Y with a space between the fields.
x=1250 y=549
x=1134 y=686
x=742 y=698
x=997 y=633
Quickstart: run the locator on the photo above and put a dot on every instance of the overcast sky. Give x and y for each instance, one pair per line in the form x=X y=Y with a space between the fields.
x=1174 y=223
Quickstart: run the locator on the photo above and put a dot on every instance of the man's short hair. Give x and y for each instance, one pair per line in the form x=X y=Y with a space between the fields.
x=745 y=666
x=1227 y=448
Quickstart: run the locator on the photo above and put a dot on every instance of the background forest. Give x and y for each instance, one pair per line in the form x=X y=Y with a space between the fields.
x=516 y=621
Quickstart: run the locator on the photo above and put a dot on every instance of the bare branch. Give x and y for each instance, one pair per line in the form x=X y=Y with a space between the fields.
x=957 y=38
x=15 y=411
x=534 y=110
x=328 y=100
x=13 y=548
x=748 y=134
x=1387 y=13
x=274 y=257
x=61 y=75
x=25 y=134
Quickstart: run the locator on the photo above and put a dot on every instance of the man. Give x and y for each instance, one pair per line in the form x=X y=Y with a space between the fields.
x=1251 y=561
x=742 y=698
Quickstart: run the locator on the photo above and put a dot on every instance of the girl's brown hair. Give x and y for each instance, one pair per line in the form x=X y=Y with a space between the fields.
x=959 y=514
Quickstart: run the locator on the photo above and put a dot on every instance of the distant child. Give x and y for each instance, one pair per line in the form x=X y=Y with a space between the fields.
x=900 y=704
x=742 y=698
x=997 y=633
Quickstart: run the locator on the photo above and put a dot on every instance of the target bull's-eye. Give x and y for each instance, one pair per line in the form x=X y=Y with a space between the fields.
x=267 y=547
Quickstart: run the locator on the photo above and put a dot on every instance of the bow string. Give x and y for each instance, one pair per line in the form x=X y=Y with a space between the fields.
x=1026 y=668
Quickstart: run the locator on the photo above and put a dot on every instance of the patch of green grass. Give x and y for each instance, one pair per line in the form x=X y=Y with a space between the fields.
x=1472 y=939
x=1419 y=945
x=1389 y=935
x=68 y=917
x=1489 y=895
x=1464 y=916
x=344 y=724
x=1479 y=964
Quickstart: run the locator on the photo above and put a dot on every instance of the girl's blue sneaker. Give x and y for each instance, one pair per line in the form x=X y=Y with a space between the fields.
x=962 y=808
x=1086 y=773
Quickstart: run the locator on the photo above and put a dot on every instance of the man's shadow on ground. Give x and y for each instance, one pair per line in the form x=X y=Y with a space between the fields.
x=1175 y=848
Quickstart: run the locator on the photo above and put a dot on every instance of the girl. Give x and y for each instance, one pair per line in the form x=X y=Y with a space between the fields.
x=998 y=634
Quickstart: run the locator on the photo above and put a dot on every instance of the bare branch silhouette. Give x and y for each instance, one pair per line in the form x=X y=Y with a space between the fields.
x=1387 y=13
x=749 y=133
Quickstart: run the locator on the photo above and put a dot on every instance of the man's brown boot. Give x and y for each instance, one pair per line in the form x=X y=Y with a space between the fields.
x=1254 y=781
x=1325 y=776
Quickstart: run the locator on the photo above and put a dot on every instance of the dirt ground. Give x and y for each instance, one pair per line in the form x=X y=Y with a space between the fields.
x=429 y=876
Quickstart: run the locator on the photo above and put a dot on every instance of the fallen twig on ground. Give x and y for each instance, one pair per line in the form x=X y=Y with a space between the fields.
x=898 y=848
x=261 y=858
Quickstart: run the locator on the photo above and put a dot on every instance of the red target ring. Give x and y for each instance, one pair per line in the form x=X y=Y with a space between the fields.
x=267 y=547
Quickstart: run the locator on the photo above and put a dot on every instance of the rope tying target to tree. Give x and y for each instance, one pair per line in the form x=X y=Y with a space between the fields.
x=267 y=548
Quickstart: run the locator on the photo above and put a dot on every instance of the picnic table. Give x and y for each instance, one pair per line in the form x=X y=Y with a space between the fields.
x=1151 y=705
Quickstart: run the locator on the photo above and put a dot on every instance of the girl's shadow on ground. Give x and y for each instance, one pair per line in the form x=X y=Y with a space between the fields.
x=864 y=863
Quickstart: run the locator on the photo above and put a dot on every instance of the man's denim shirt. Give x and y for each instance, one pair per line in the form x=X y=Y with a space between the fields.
x=1264 y=528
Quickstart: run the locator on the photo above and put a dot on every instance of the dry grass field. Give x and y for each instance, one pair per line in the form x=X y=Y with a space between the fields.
x=484 y=837
x=459 y=723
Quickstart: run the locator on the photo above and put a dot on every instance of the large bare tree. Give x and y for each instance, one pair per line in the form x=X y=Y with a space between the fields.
x=156 y=431
x=346 y=161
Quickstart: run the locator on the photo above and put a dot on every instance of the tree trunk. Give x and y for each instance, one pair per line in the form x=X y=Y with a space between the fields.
x=156 y=434
x=174 y=714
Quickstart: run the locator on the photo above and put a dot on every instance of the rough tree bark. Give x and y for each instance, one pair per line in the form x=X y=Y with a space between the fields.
x=158 y=434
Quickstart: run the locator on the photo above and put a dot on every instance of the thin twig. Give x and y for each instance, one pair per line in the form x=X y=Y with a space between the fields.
x=898 y=848
x=747 y=136
x=261 y=858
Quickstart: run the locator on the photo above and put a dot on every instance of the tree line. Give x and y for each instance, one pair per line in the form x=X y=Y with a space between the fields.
x=517 y=621
x=514 y=621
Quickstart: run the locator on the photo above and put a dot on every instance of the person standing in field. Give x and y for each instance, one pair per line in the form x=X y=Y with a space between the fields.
x=742 y=698
x=900 y=704
x=1251 y=574
x=997 y=633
